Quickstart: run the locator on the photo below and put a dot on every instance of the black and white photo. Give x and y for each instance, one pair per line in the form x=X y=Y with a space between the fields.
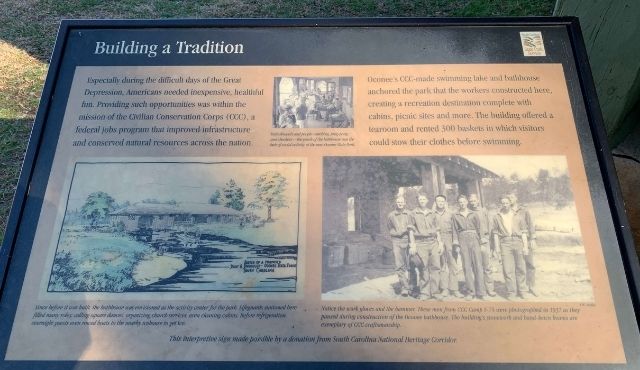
x=442 y=228
x=313 y=102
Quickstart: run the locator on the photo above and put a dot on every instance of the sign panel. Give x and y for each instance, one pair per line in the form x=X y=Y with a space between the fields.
x=395 y=193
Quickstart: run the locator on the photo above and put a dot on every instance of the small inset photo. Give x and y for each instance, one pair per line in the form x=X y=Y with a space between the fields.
x=313 y=102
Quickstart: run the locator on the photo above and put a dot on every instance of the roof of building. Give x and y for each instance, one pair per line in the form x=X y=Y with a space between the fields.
x=465 y=167
x=405 y=168
x=176 y=209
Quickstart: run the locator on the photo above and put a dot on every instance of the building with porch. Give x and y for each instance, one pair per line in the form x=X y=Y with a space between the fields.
x=359 y=192
x=162 y=216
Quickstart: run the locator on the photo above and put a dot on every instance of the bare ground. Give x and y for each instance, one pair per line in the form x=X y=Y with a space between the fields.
x=562 y=276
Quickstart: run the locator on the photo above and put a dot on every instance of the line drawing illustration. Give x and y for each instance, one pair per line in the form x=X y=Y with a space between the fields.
x=179 y=226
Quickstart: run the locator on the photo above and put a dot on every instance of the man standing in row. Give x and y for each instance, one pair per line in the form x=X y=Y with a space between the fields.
x=468 y=233
x=511 y=238
x=425 y=241
x=398 y=225
x=449 y=270
x=525 y=219
x=485 y=251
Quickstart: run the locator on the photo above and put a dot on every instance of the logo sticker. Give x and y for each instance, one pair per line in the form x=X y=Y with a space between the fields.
x=532 y=44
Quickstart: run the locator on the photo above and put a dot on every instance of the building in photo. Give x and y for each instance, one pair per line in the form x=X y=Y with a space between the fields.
x=160 y=216
x=359 y=193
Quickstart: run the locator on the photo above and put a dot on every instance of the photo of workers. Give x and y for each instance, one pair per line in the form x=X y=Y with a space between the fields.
x=442 y=228
x=313 y=102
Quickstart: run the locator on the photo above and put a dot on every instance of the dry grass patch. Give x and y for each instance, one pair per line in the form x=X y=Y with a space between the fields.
x=21 y=80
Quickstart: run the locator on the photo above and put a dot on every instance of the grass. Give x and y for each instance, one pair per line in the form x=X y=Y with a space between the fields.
x=28 y=30
x=32 y=24
x=21 y=79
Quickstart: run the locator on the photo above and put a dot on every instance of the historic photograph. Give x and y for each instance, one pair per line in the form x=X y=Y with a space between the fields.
x=313 y=102
x=467 y=228
x=179 y=226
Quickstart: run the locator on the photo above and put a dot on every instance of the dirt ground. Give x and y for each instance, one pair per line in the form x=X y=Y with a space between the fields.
x=562 y=276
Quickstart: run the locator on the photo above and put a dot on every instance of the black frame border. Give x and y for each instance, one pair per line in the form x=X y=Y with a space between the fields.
x=592 y=108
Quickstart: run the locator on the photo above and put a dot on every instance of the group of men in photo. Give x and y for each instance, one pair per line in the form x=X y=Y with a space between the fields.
x=427 y=242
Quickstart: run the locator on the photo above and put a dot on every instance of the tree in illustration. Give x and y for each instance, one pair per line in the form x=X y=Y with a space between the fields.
x=269 y=189
x=233 y=196
x=215 y=197
x=97 y=206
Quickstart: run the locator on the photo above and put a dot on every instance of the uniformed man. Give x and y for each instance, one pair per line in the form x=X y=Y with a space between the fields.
x=509 y=236
x=397 y=224
x=526 y=220
x=425 y=241
x=449 y=267
x=468 y=233
x=474 y=205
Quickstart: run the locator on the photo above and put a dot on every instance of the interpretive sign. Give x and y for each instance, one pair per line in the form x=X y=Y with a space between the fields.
x=392 y=193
